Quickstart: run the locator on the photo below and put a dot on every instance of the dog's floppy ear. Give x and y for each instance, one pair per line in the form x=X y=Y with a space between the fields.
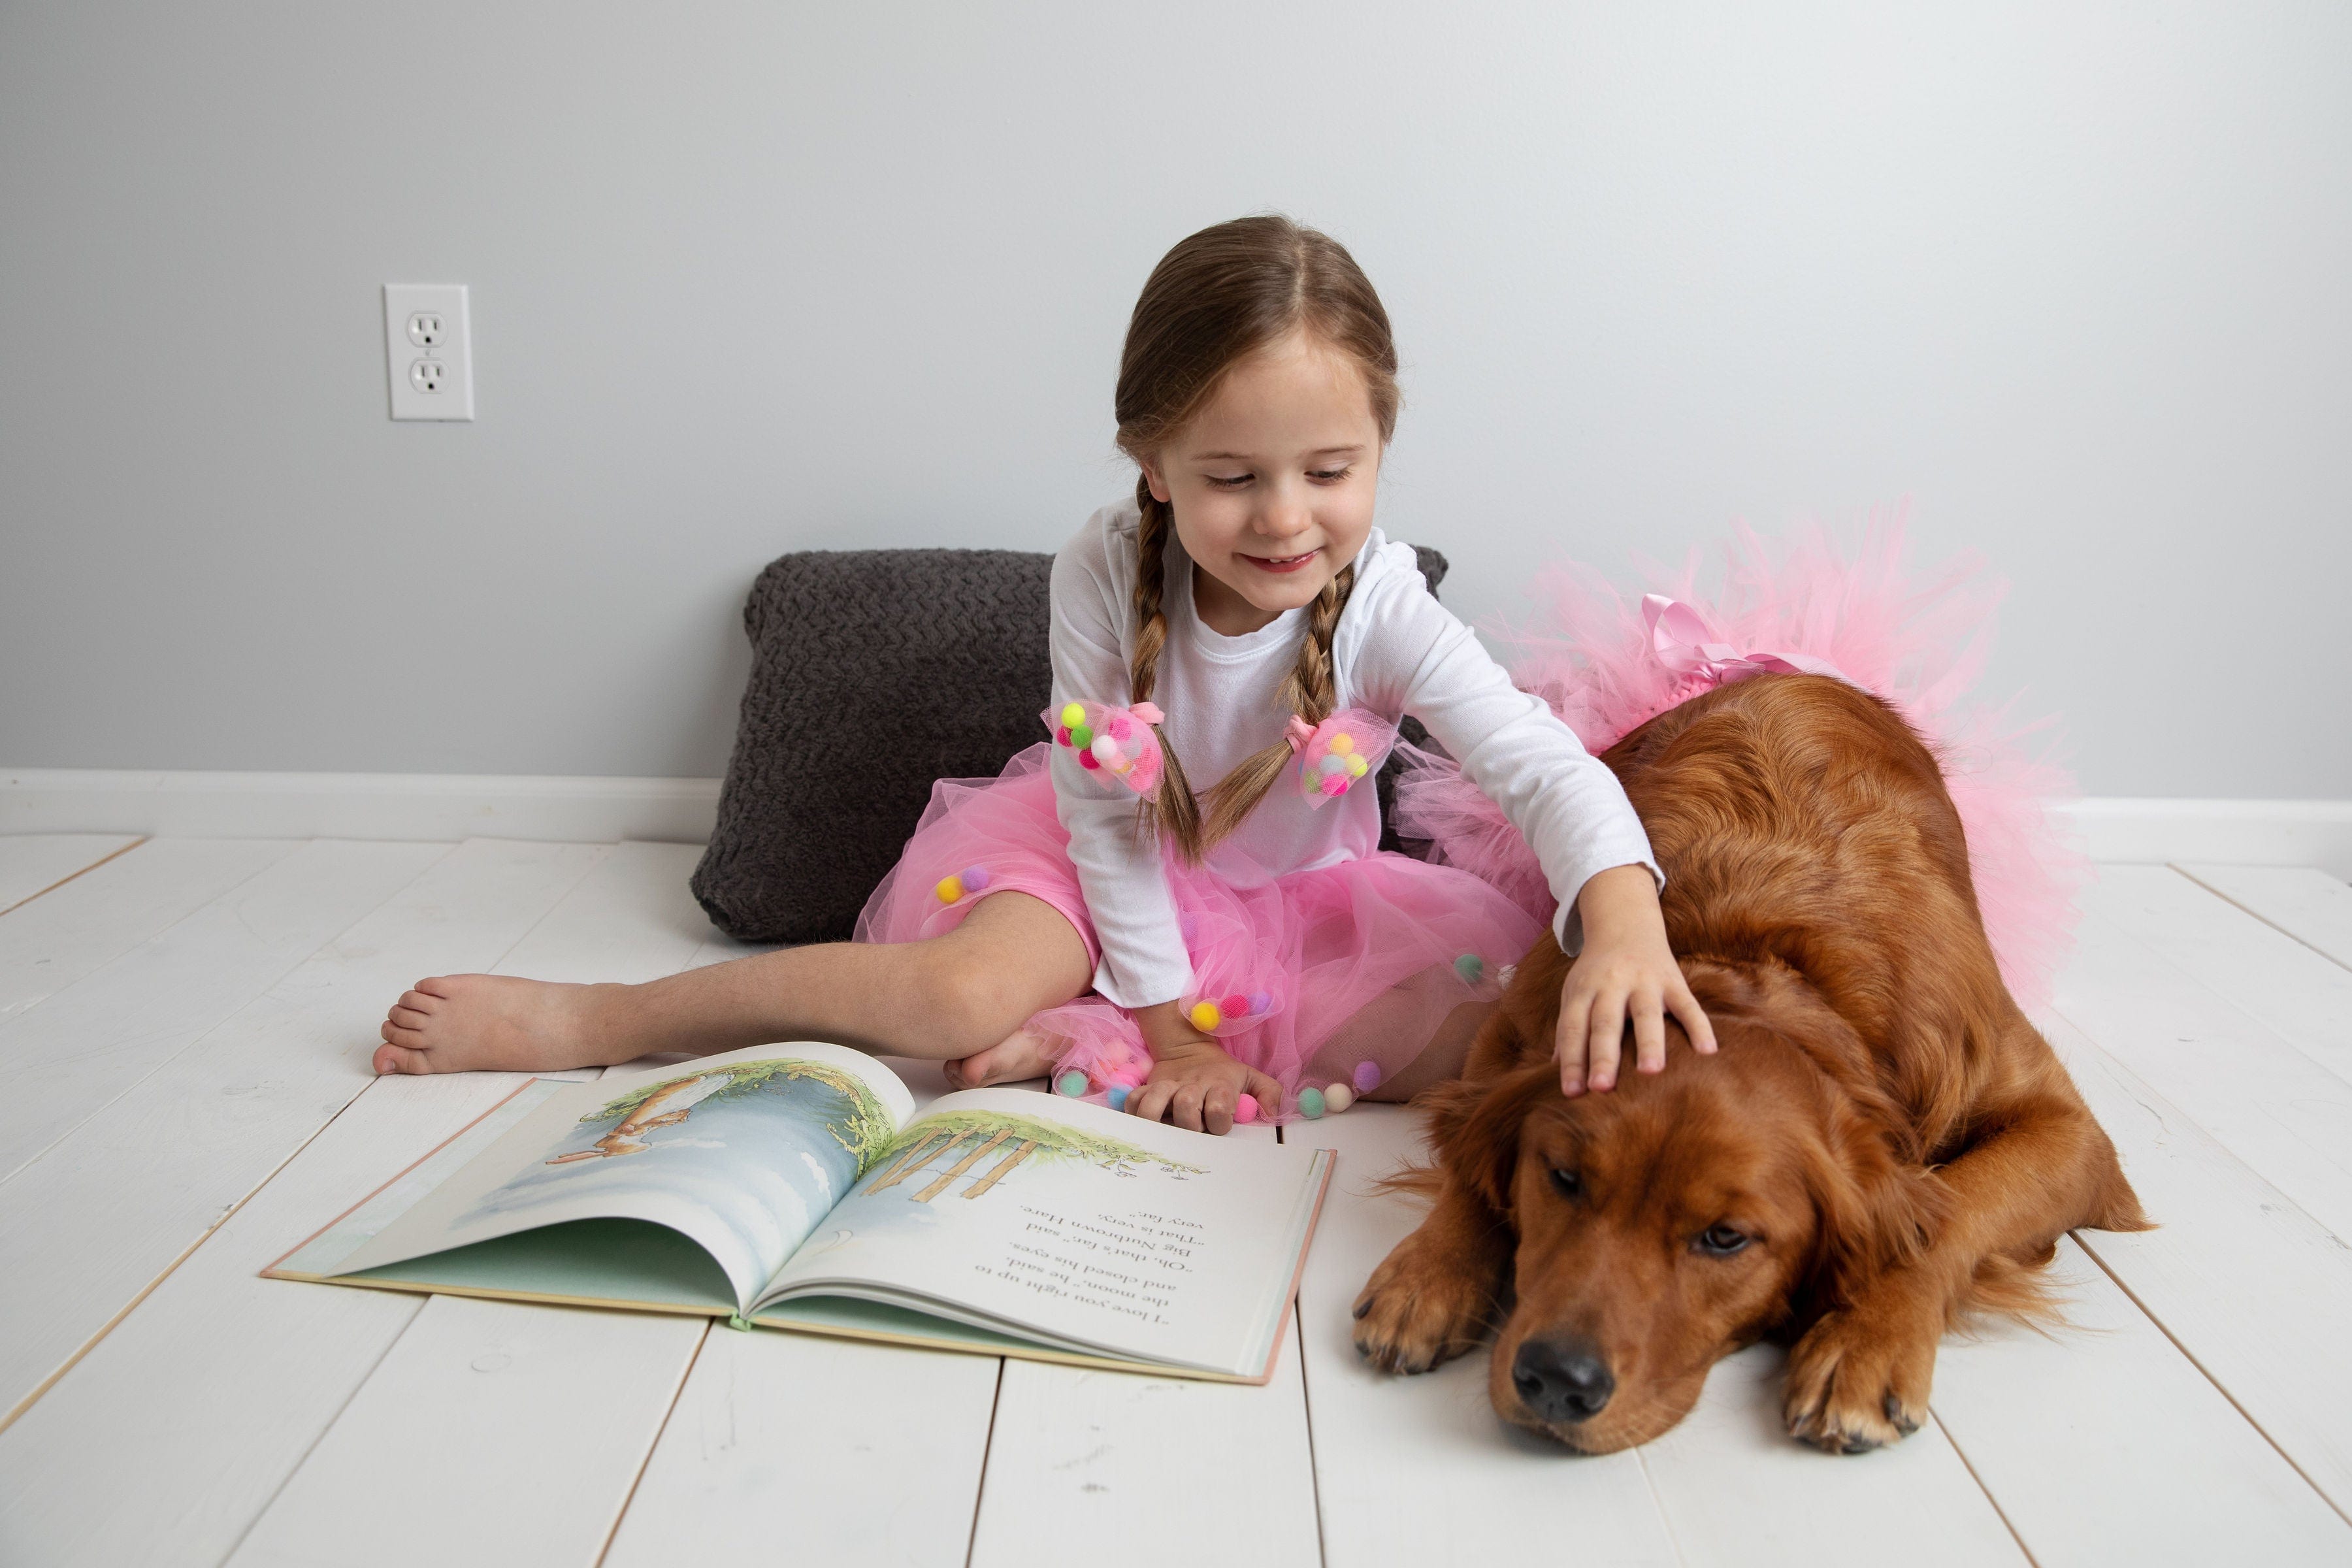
x=1877 y=1210
x=1474 y=1129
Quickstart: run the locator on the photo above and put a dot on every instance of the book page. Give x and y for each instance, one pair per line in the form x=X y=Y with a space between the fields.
x=743 y=1152
x=1077 y=1222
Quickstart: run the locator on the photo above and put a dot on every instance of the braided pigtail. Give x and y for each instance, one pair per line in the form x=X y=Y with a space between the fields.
x=1173 y=807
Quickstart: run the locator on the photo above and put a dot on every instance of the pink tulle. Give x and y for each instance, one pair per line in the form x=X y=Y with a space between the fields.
x=1338 y=974
x=1919 y=641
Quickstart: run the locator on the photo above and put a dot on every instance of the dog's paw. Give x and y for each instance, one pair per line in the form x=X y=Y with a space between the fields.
x=1859 y=1381
x=1428 y=1301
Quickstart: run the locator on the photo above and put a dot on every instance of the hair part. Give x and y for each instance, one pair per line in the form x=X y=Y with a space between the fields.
x=1215 y=298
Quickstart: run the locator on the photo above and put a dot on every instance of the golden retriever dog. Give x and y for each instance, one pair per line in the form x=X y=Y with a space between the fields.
x=1882 y=1144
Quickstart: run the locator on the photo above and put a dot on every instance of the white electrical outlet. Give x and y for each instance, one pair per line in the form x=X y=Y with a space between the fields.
x=429 y=351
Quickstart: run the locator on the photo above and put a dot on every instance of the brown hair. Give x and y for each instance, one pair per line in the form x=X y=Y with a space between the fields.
x=1218 y=297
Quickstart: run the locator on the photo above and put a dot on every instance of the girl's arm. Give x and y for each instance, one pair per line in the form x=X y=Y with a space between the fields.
x=1417 y=657
x=1144 y=960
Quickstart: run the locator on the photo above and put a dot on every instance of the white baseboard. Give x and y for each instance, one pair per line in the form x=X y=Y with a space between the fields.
x=603 y=810
x=2225 y=832
x=357 y=806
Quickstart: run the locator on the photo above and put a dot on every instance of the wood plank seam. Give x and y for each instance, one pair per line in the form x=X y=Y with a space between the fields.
x=33 y=1395
x=638 y=1475
x=1650 y=1485
x=85 y=871
x=1307 y=1403
x=326 y=1427
x=988 y=1445
x=1969 y=1465
x=2258 y=914
x=2083 y=1241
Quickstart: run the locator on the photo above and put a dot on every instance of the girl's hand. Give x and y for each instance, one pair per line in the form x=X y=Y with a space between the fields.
x=1625 y=974
x=1194 y=1082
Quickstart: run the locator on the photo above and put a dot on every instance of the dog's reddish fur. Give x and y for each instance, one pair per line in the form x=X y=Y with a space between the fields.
x=1895 y=1140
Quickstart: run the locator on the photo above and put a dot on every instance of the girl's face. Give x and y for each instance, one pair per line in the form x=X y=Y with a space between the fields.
x=1272 y=482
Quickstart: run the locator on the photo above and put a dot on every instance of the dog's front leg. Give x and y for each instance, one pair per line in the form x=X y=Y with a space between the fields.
x=1860 y=1377
x=1436 y=1295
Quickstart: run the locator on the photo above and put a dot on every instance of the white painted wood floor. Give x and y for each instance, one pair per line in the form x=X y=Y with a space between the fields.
x=184 y=1032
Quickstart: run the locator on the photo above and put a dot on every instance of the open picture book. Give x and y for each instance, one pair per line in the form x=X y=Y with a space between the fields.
x=794 y=1186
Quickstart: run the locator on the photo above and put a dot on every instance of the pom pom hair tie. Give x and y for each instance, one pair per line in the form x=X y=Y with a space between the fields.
x=1338 y=751
x=1118 y=742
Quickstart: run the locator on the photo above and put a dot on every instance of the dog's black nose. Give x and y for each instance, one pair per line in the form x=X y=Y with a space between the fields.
x=1561 y=1380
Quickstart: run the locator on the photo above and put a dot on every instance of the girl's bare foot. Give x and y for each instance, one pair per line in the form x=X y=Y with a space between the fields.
x=474 y=1022
x=1021 y=1055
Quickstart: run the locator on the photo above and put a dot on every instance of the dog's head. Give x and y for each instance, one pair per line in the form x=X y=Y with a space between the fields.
x=1665 y=1222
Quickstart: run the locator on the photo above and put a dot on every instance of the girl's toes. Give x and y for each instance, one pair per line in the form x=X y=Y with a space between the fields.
x=418 y=1001
x=404 y=1018
x=392 y=1059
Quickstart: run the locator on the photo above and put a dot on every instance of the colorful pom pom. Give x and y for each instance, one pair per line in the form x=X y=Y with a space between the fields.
x=1310 y=1102
x=1087 y=759
x=1072 y=1083
x=1246 y=1109
x=1205 y=1016
x=1260 y=1002
x=1119 y=1093
x=1338 y=1098
x=949 y=890
x=1106 y=750
x=976 y=878
x=1073 y=715
x=1343 y=743
x=1470 y=967
x=1121 y=726
x=1357 y=767
x=1062 y=736
x=1335 y=783
x=1367 y=1077
x=1234 y=1006
x=1333 y=764
x=1081 y=736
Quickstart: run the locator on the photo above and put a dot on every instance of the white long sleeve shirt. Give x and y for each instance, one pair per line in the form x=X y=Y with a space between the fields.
x=1395 y=651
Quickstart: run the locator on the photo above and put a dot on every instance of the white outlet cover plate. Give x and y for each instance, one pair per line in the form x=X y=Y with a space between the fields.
x=427 y=322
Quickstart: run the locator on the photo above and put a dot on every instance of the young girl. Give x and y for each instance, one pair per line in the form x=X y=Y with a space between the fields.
x=1085 y=912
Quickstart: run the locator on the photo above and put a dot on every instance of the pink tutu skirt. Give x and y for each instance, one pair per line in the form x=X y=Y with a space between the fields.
x=1340 y=975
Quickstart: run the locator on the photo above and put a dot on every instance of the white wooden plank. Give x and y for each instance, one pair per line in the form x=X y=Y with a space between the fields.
x=629 y=919
x=1736 y=1489
x=872 y=1453
x=91 y=1041
x=51 y=942
x=1097 y=1452
x=2300 y=995
x=211 y=1392
x=1419 y=1470
x=2288 y=1118
x=513 y=1432
x=2102 y=1444
x=2253 y=1288
x=2309 y=905
x=33 y=863
x=169 y=1158
x=1093 y=1451
x=216 y=1387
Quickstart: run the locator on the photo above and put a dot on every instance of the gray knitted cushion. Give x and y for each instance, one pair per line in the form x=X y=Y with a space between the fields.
x=830 y=773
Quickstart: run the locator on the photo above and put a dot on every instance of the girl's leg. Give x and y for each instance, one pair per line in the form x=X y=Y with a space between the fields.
x=1442 y=1058
x=948 y=997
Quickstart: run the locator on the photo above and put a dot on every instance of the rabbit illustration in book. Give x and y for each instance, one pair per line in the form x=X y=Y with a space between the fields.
x=665 y=1107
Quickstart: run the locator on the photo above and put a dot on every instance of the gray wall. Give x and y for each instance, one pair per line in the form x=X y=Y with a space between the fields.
x=749 y=278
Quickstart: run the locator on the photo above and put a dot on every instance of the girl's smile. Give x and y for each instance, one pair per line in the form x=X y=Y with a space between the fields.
x=1272 y=482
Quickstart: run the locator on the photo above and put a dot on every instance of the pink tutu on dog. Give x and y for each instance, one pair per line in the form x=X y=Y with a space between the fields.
x=1339 y=975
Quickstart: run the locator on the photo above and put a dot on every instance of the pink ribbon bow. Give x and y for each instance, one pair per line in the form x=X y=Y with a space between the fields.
x=1685 y=644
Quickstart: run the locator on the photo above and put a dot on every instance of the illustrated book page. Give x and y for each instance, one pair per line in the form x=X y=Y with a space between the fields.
x=1048 y=1218
x=741 y=1154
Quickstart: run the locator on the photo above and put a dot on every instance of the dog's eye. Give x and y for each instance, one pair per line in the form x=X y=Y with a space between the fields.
x=1568 y=1183
x=1721 y=1240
